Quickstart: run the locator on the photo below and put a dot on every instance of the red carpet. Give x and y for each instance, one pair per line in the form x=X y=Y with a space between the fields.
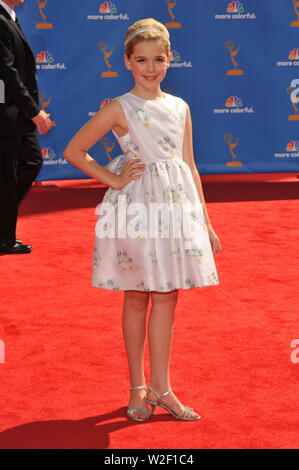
x=64 y=383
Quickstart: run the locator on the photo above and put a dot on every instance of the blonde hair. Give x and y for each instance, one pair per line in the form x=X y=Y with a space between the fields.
x=146 y=35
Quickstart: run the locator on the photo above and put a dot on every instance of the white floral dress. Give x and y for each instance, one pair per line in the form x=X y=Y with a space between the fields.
x=138 y=244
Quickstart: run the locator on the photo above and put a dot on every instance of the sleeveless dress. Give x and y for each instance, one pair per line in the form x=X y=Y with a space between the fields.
x=137 y=246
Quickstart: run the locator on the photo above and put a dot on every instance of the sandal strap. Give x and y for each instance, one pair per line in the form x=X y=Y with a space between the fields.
x=186 y=413
x=138 y=388
x=143 y=410
x=158 y=394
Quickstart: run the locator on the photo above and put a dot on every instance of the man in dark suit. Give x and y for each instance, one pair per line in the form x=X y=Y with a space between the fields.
x=20 y=115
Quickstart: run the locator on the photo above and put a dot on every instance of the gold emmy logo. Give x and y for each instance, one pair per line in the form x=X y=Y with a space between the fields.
x=230 y=46
x=108 y=73
x=229 y=140
x=106 y=143
x=292 y=117
x=172 y=24
x=45 y=104
x=44 y=24
x=296 y=8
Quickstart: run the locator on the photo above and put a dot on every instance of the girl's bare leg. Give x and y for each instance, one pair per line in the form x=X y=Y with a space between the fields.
x=160 y=332
x=134 y=329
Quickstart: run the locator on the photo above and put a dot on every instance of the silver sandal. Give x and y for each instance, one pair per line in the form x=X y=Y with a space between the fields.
x=141 y=410
x=185 y=415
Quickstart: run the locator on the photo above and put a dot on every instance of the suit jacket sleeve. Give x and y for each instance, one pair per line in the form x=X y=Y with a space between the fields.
x=13 y=83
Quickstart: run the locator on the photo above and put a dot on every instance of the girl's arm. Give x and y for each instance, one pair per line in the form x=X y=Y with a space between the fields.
x=188 y=157
x=76 y=151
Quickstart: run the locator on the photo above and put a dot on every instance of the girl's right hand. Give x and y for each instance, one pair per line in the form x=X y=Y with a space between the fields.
x=132 y=170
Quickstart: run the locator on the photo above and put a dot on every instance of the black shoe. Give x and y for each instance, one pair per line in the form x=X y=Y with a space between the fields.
x=16 y=249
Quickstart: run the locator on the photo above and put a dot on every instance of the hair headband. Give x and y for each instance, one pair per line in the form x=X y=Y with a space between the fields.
x=143 y=30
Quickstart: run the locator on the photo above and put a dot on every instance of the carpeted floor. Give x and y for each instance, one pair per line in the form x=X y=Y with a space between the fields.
x=64 y=383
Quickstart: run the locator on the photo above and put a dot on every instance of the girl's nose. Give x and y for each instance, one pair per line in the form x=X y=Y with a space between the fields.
x=150 y=66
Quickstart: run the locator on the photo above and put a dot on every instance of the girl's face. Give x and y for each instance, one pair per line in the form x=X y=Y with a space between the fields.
x=148 y=63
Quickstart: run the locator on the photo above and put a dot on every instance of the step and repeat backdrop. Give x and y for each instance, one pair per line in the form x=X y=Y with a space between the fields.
x=235 y=63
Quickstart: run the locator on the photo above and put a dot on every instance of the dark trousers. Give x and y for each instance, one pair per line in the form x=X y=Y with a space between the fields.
x=20 y=163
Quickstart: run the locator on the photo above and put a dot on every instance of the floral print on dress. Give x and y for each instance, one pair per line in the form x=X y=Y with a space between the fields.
x=177 y=254
x=167 y=287
x=167 y=146
x=194 y=254
x=213 y=278
x=184 y=167
x=110 y=284
x=139 y=227
x=141 y=286
x=141 y=115
x=112 y=195
x=153 y=169
x=124 y=260
x=153 y=256
x=96 y=259
x=177 y=117
x=150 y=195
x=131 y=150
x=176 y=193
x=188 y=284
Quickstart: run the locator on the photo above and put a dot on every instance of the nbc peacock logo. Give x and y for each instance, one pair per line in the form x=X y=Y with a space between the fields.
x=235 y=7
x=233 y=102
x=234 y=105
x=108 y=12
x=235 y=11
x=104 y=102
x=293 y=146
x=44 y=57
x=49 y=156
x=107 y=7
x=175 y=56
x=291 y=61
x=45 y=61
x=291 y=150
x=294 y=54
x=176 y=61
x=48 y=152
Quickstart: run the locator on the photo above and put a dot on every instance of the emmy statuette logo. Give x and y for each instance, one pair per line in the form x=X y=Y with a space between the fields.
x=172 y=24
x=106 y=143
x=230 y=46
x=45 y=104
x=296 y=8
x=229 y=140
x=108 y=73
x=44 y=24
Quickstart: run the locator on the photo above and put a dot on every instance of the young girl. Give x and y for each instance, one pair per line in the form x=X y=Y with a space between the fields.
x=154 y=131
